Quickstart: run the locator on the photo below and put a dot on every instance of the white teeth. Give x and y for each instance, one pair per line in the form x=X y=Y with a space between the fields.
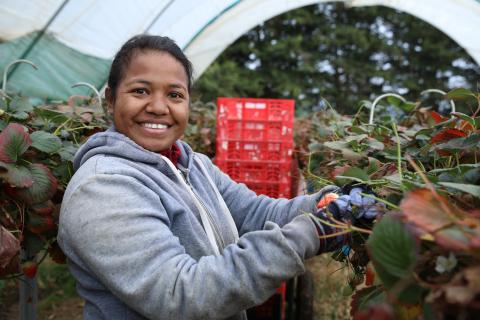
x=154 y=125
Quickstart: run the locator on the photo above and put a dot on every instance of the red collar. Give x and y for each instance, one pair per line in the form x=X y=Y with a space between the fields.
x=172 y=154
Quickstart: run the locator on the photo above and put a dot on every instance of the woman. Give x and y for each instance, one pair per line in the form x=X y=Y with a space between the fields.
x=154 y=230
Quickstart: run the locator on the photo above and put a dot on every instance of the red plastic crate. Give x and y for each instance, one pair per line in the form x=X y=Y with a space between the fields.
x=257 y=171
x=272 y=189
x=254 y=130
x=255 y=109
x=254 y=150
x=255 y=143
x=254 y=146
x=255 y=119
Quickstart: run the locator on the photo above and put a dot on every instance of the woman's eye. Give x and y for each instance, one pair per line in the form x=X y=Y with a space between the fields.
x=175 y=95
x=140 y=91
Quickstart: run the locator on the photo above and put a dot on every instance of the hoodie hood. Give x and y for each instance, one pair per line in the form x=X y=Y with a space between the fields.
x=116 y=144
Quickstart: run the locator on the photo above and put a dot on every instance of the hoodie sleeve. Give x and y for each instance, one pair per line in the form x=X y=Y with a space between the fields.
x=115 y=226
x=251 y=211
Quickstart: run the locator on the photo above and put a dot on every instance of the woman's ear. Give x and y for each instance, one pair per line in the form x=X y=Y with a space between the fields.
x=110 y=99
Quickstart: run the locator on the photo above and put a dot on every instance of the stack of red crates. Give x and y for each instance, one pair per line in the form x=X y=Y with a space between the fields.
x=254 y=146
x=255 y=143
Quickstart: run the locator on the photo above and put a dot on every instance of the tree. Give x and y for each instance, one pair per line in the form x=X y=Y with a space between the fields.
x=338 y=54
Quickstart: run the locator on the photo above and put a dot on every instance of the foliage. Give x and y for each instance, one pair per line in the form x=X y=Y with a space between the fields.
x=342 y=54
x=422 y=259
x=37 y=145
x=201 y=132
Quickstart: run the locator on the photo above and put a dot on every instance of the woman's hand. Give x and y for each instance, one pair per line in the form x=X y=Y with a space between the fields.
x=354 y=204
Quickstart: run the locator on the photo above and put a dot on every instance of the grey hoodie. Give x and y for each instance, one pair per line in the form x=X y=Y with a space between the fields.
x=137 y=248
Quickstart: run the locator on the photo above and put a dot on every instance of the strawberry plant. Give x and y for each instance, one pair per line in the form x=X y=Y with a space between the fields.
x=422 y=258
x=37 y=145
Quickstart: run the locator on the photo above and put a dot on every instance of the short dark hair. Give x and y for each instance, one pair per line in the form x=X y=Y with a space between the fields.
x=143 y=42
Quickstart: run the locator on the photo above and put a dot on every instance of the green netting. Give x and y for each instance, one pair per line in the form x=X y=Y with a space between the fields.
x=59 y=68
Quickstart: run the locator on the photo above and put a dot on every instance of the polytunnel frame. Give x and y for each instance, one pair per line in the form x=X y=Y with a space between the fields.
x=241 y=16
x=204 y=32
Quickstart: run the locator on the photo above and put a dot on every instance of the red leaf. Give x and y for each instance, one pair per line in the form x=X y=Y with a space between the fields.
x=17 y=176
x=338 y=171
x=444 y=153
x=14 y=141
x=369 y=275
x=425 y=210
x=437 y=117
x=452 y=228
x=43 y=209
x=43 y=188
x=9 y=247
x=376 y=312
x=447 y=134
x=39 y=224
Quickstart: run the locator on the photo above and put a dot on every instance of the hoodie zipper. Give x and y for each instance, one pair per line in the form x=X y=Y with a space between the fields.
x=217 y=233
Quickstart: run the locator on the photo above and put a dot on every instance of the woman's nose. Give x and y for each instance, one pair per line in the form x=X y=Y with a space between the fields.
x=157 y=105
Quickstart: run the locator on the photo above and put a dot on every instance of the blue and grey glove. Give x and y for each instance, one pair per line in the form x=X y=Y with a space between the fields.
x=355 y=205
x=346 y=205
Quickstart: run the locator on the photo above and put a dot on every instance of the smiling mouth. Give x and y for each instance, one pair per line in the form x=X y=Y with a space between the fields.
x=155 y=126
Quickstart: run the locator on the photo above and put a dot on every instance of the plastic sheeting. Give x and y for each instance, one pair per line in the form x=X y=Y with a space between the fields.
x=74 y=40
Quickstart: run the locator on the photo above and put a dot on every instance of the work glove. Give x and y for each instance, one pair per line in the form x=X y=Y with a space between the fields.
x=346 y=205
x=351 y=206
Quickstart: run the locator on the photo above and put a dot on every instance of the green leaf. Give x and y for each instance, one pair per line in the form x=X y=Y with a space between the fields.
x=394 y=101
x=14 y=141
x=45 y=141
x=315 y=147
x=67 y=152
x=462 y=167
x=408 y=106
x=20 y=107
x=393 y=248
x=351 y=155
x=460 y=93
x=20 y=115
x=465 y=117
x=472 y=176
x=51 y=115
x=3 y=104
x=336 y=145
x=358 y=130
x=460 y=143
x=20 y=104
x=356 y=138
x=15 y=175
x=43 y=188
x=375 y=144
x=356 y=172
x=468 y=188
x=365 y=297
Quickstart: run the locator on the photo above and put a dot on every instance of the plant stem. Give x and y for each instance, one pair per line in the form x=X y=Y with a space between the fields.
x=399 y=153
x=310 y=173
x=380 y=200
x=57 y=131
x=458 y=162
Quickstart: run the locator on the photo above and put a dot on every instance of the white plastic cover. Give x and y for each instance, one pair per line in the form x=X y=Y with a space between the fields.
x=204 y=28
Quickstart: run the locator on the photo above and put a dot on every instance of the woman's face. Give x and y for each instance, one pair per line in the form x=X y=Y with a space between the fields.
x=152 y=102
